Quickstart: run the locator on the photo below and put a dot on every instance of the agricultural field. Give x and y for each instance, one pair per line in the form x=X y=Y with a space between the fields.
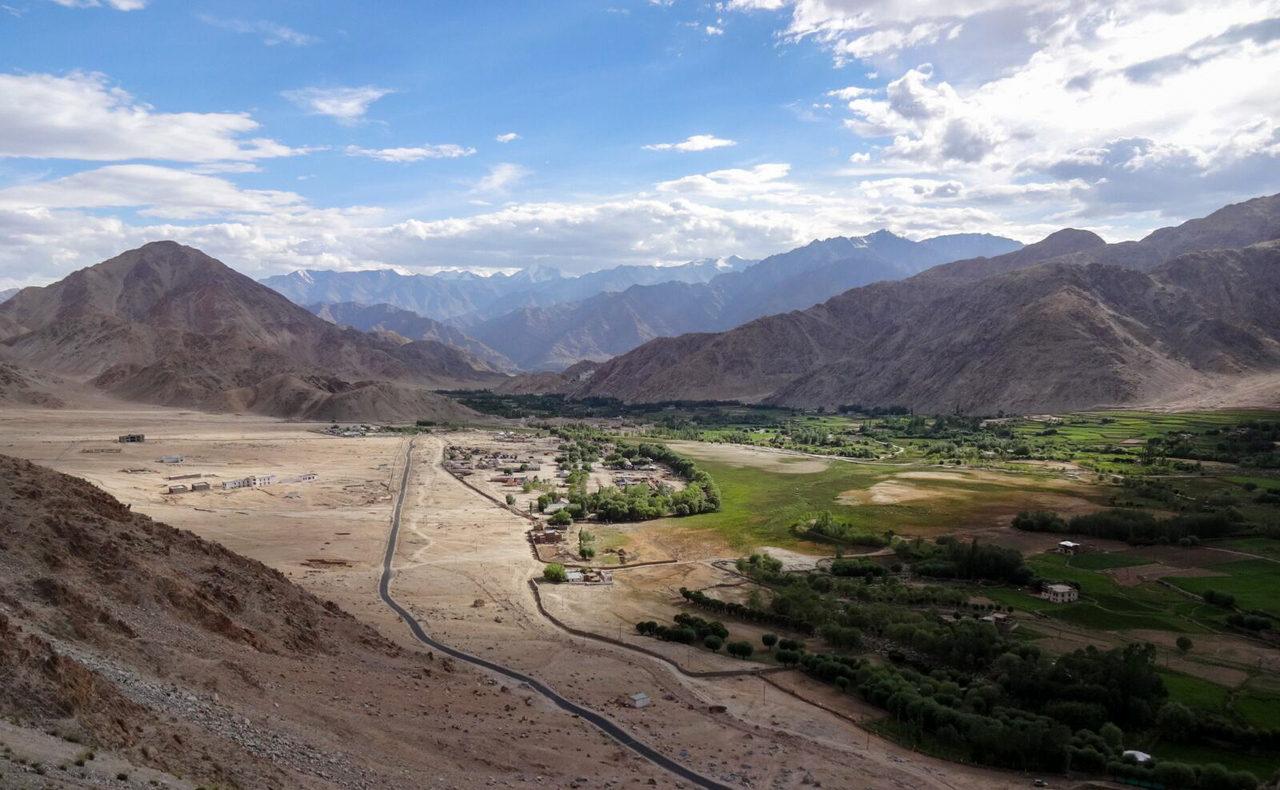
x=766 y=494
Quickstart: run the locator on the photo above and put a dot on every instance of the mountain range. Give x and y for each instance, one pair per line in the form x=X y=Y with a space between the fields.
x=1069 y=322
x=553 y=327
x=464 y=298
x=169 y=325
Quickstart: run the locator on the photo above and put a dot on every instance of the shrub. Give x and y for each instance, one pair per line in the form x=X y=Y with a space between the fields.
x=555 y=572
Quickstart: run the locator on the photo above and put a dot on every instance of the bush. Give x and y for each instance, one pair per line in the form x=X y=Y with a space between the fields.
x=555 y=572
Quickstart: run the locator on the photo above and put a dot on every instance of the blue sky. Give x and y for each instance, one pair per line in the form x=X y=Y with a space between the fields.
x=325 y=134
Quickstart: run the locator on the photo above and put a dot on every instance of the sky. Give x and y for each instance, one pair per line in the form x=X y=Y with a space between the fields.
x=497 y=134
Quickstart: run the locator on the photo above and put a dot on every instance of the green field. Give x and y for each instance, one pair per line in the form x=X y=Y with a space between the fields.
x=1254 y=583
x=760 y=506
x=1196 y=692
x=1259 y=765
x=1266 y=547
x=1108 y=606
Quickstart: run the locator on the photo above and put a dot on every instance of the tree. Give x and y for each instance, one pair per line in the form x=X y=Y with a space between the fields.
x=1185 y=643
x=713 y=643
x=560 y=518
x=1112 y=734
x=769 y=640
x=511 y=499
x=586 y=552
x=742 y=649
x=1175 y=720
x=555 y=573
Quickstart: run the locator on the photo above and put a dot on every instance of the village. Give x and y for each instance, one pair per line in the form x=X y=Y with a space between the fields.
x=532 y=476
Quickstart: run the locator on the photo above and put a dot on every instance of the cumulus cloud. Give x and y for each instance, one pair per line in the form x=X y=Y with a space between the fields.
x=508 y=137
x=402 y=155
x=698 y=142
x=81 y=116
x=345 y=105
x=271 y=33
x=502 y=177
x=152 y=190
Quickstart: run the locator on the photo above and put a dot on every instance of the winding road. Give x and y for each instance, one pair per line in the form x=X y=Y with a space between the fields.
x=603 y=724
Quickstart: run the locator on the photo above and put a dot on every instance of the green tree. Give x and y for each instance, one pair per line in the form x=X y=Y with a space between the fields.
x=1112 y=734
x=560 y=518
x=1175 y=720
x=741 y=649
x=769 y=640
x=1185 y=644
x=555 y=572
x=713 y=643
x=511 y=499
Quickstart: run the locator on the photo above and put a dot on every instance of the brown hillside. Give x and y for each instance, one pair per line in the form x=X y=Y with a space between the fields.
x=147 y=641
x=167 y=324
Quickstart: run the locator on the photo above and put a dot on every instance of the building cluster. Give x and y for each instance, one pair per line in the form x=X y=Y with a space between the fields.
x=464 y=461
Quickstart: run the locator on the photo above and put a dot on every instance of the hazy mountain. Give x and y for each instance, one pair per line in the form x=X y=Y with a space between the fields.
x=1041 y=328
x=7 y=293
x=409 y=326
x=464 y=298
x=614 y=323
x=167 y=324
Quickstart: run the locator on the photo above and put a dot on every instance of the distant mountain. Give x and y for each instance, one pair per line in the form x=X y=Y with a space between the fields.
x=7 y=293
x=614 y=323
x=167 y=324
x=1069 y=322
x=408 y=325
x=464 y=298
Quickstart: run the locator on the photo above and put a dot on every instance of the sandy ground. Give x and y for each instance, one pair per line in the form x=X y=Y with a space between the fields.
x=464 y=566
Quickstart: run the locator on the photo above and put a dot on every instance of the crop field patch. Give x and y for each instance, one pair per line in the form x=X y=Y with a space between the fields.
x=1254 y=583
x=1100 y=561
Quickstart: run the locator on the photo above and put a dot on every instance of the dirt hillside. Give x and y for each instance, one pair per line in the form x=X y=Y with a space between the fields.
x=174 y=655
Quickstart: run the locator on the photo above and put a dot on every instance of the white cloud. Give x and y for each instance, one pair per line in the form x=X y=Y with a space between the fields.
x=850 y=93
x=861 y=157
x=502 y=177
x=346 y=105
x=271 y=33
x=119 y=5
x=80 y=116
x=445 y=151
x=152 y=190
x=761 y=181
x=712 y=30
x=698 y=142
x=508 y=137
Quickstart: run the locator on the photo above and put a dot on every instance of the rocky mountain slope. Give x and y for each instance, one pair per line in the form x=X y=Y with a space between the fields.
x=408 y=325
x=169 y=656
x=614 y=323
x=167 y=324
x=1043 y=328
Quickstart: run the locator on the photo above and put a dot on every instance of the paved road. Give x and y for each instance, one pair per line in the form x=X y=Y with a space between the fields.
x=605 y=725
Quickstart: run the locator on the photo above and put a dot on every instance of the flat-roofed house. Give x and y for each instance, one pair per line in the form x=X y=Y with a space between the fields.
x=1060 y=593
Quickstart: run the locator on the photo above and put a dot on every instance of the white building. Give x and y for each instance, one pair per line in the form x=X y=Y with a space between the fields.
x=309 y=477
x=170 y=459
x=1069 y=547
x=1141 y=757
x=252 y=481
x=1060 y=593
x=640 y=700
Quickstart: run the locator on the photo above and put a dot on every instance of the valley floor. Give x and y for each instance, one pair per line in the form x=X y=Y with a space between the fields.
x=464 y=567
